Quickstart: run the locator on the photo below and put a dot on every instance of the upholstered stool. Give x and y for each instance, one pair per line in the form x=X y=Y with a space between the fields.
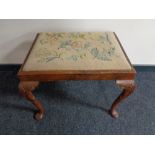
x=76 y=56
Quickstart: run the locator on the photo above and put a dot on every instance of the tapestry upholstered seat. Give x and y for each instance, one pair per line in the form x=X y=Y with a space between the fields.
x=76 y=51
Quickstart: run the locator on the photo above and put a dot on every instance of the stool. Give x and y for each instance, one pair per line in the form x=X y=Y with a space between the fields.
x=76 y=56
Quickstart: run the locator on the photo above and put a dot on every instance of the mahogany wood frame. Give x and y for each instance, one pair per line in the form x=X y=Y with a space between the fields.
x=29 y=80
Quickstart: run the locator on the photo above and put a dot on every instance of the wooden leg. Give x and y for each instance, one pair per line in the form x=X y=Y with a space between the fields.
x=128 y=87
x=25 y=89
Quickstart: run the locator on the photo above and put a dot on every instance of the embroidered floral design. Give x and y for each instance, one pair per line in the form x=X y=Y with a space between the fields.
x=75 y=46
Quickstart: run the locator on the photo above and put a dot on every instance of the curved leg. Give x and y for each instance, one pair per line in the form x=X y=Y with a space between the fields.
x=25 y=89
x=128 y=87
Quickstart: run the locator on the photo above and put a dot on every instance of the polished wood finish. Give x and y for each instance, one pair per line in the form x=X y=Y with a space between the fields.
x=76 y=75
x=25 y=89
x=128 y=87
x=29 y=81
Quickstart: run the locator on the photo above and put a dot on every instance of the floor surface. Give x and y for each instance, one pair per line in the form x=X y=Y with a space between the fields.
x=78 y=107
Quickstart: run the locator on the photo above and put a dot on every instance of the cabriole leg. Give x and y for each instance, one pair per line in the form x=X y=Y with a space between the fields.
x=128 y=87
x=25 y=89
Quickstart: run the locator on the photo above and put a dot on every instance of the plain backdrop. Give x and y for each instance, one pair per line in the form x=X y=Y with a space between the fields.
x=136 y=35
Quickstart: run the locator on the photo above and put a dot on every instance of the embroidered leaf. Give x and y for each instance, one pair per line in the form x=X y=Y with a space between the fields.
x=108 y=40
x=65 y=43
x=94 y=52
x=50 y=58
x=86 y=45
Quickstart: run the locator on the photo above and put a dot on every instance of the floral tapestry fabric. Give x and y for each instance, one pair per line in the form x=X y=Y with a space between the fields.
x=87 y=50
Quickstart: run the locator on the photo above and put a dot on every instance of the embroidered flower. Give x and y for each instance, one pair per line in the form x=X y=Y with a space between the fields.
x=76 y=44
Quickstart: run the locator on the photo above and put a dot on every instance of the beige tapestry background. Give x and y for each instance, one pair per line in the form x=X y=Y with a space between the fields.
x=76 y=51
